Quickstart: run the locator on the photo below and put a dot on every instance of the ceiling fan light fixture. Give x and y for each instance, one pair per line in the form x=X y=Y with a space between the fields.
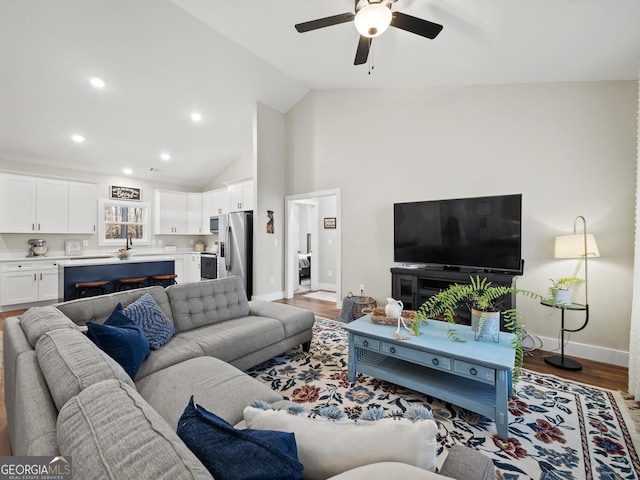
x=373 y=20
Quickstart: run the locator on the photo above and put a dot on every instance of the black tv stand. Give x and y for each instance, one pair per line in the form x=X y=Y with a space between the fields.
x=414 y=286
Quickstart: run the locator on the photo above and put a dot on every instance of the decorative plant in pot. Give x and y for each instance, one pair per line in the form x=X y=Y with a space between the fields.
x=561 y=290
x=486 y=299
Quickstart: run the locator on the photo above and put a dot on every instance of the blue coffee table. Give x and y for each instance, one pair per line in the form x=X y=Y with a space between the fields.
x=475 y=375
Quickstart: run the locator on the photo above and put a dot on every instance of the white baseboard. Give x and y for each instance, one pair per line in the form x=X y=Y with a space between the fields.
x=589 y=352
x=329 y=287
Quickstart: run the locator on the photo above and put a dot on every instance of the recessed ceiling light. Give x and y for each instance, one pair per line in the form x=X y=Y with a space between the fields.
x=165 y=156
x=196 y=117
x=77 y=138
x=127 y=171
x=97 y=82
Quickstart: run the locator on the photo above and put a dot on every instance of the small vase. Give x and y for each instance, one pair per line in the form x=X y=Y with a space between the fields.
x=485 y=323
x=563 y=297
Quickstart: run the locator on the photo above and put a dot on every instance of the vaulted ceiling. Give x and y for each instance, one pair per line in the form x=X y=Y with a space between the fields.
x=163 y=60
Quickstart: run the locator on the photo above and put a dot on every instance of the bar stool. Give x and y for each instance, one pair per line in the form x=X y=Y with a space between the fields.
x=129 y=283
x=164 y=280
x=91 y=289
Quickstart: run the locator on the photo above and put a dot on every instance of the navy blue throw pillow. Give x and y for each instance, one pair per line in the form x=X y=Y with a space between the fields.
x=122 y=339
x=147 y=314
x=232 y=454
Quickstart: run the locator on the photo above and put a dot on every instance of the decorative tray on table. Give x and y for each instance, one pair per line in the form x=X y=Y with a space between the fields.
x=379 y=316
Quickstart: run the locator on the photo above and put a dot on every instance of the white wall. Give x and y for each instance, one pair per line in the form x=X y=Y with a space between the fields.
x=269 y=148
x=569 y=148
x=304 y=227
x=326 y=257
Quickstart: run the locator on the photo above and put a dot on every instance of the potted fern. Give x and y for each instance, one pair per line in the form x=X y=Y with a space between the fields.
x=486 y=300
x=561 y=290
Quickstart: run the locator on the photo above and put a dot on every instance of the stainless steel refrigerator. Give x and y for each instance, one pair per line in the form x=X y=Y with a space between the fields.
x=235 y=247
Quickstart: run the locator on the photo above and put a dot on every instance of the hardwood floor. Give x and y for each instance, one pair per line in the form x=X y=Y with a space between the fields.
x=599 y=374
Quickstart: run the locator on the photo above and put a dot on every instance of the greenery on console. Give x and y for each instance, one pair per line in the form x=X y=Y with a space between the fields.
x=480 y=295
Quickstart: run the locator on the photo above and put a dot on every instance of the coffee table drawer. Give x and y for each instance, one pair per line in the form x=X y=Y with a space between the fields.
x=475 y=372
x=416 y=356
x=365 y=342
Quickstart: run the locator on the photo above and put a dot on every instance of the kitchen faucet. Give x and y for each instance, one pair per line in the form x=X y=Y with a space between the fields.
x=129 y=243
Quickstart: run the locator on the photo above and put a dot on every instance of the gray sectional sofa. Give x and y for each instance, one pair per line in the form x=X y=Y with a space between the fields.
x=66 y=396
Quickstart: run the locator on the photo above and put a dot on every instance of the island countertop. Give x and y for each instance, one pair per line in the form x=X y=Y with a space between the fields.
x=79 y=261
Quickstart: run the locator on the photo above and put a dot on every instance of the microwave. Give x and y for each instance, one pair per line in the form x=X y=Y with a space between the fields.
x=213 y=224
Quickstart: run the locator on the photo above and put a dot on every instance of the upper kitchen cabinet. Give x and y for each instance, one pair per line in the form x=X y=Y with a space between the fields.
x=170 y=211
x=220 y=201
x=83 y=205
x=17 y=203
x=241 y=196
x=44 y=205
x=195 y=223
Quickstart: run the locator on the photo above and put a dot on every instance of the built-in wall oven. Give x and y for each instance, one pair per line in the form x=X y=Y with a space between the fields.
x=208 y=265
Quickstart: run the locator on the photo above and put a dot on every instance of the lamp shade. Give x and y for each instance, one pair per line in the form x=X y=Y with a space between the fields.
x=572 y=246
x=373 y=20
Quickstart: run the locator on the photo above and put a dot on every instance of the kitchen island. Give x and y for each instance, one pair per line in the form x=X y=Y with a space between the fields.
x=110 y=269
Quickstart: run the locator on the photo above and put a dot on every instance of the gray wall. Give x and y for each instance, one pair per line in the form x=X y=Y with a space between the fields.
x=569 y=148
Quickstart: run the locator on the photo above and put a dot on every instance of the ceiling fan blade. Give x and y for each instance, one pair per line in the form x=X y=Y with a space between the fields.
x=416 y=25
x=324 y=22
x=362 y=53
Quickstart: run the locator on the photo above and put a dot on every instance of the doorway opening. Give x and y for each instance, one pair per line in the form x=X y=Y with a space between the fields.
x=313 y=243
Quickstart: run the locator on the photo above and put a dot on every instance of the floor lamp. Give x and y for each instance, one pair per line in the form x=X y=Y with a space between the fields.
x=581 y=246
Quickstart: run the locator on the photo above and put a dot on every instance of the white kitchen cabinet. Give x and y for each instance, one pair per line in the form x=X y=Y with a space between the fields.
x=83 y=207
x=28 y=282
x=170 y=212
x=220 y=201
x=30 y=204
x=192 y=267
x=52 y=205
x=17 y=203
x=241 y=197
x=195 y=225
x=178 y=261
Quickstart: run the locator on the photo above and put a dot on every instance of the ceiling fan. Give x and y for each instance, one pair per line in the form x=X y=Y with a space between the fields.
x=371 y=19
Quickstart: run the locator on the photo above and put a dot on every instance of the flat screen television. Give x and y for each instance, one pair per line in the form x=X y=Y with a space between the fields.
x=481 y=234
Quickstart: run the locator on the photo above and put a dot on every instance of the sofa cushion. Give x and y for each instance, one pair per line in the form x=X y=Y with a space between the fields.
x=148 y=315
x=36 y=413
x=70 y=362
x=329 y=447
x=294 y=319
x=198 y=304
x=97 y=309
x=232 y=454
x=38 y=320
x=176 y=351
x=111 y=432
x=464 y=462
x=236 y=338
x=222 y=388
x=122 y=339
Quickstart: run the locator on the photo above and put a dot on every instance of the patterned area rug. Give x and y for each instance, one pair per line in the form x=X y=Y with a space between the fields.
x=557 y=429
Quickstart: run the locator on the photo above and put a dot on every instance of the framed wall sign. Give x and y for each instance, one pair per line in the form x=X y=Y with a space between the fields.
x=72 y=247
x=125 y=193
x=330 y=222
